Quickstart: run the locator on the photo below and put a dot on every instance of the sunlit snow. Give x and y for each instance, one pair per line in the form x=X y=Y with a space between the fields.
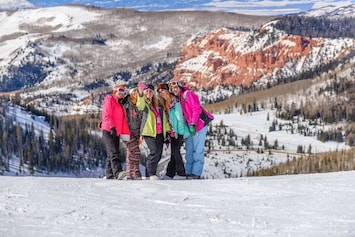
x=315 y=205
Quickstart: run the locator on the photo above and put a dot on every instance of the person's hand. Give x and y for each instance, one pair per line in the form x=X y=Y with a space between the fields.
x=113 y=132
x=192 y=129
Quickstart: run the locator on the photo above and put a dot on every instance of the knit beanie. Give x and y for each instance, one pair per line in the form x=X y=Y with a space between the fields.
x=132 y=87
x=163 y=86
x=149 y=86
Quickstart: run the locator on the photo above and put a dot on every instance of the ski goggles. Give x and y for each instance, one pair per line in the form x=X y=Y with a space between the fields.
x=173 y=84
x=120 y=91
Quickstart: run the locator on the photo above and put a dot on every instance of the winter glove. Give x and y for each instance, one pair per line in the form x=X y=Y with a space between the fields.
x=113 y=132
x=192 y=129
x=141 y=85
x=167 y=139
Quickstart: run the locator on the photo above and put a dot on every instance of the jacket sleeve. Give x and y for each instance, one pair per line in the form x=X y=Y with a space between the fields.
x=195 y=106
x=107 y=114
x=121 y=121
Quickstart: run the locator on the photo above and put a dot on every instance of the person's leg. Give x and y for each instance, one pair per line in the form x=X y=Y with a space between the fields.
x=159 y=143
x=108 y=169
x=170 y=170
x=113 y=163
x=116 y=162
x=179 y=163
x=151 y=168
x=199 y=151
x=189 y=156
x=135 y=157
x=128 y=159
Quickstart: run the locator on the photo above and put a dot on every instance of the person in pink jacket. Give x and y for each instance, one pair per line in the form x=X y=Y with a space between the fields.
x=114 y=126
x=197 y=119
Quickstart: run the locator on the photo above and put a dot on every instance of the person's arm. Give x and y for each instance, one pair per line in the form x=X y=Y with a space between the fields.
x=140 y=99
x=195 y=107
x=180 y=122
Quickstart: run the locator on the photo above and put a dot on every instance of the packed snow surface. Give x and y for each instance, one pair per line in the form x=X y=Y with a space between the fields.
x=299 y=205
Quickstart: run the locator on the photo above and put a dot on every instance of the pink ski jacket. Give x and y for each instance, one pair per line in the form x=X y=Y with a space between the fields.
x=192 y=109
x=114 y=115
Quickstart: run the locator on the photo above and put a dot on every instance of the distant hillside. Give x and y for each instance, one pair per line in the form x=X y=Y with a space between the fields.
x=72 y=54
x=315 y=27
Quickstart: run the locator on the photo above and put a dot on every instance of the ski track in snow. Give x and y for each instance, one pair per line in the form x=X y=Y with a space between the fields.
x=315 y=204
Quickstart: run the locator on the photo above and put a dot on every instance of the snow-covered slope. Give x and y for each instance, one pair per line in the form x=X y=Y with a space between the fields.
x=315 y=205
x=56 y=19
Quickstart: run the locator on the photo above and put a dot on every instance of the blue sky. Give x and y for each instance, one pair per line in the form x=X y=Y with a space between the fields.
x=255 y=7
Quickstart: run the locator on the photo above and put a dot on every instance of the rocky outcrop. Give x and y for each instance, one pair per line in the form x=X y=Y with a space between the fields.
x=259 y=57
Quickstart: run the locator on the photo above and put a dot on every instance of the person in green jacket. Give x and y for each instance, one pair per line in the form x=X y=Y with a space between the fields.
x=178 y=131
x=154 y=127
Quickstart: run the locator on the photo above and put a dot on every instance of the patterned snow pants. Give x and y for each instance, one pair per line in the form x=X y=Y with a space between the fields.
x=133 y=158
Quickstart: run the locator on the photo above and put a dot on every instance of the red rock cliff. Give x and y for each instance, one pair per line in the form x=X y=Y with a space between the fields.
x=242 y=58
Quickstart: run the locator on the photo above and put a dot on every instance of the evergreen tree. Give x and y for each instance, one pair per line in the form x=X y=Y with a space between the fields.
x=309 y=151
x=19 y=147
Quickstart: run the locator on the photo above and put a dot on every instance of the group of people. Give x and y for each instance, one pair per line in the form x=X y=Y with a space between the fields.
x=170 y=113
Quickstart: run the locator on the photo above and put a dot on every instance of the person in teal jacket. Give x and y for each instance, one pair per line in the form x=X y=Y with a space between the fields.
x=154 y=127
x=178 y=131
